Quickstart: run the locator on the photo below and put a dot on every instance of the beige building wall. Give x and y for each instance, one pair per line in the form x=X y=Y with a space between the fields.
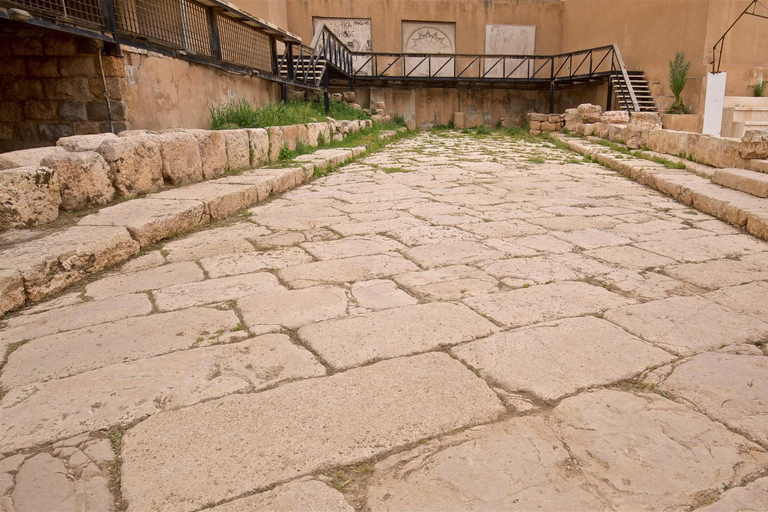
x=470 y=17
x=164 y=92
x=273 y=11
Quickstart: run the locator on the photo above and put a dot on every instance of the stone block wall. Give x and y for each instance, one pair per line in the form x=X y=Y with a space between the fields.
x=51 y=86
x=547 y=123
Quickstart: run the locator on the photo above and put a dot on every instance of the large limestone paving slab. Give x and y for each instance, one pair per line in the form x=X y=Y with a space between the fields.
x=68 y=353
x=380 y=294
x=151 y=220
x=425 y=235
x=346 y=270
x=307 y=495
x=221 y=199
x=646 y=285
x=545 y=269
x=729 y=388
x=221 y=449
x=750 y=298
x=122 y=393
x=706 y=247
x=72 y=317
x=352 y=246
x=451 y=253
x=448 y=283
x=224 y=240
x=646 y=452
x=627 y=256
x=724 y=272
x=45 y=482
x=53 y=262
x=593 y=238
x=595 y=451
x=143 y=280
x=504 y=229
x=292 y=308
x=753 y=497
x=247 y=262
x=518 y=464
x=687 y=325
x=559 y=358
x=542 y=303
x=348 y=342
x=215 y=290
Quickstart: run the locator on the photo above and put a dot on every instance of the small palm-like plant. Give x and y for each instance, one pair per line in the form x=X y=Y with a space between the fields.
x=678 y=77
x=759 y=88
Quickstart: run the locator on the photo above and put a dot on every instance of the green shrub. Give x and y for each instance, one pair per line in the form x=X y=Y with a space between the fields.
x=678 y=77
x=759 y=88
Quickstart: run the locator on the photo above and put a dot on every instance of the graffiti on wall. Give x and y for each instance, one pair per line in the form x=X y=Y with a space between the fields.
x=425 y=37
x=353 y=32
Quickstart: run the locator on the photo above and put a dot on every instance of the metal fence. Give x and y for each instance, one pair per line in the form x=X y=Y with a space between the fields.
x=212 y=30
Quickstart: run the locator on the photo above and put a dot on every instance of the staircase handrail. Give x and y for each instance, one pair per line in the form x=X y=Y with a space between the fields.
x=627 y=81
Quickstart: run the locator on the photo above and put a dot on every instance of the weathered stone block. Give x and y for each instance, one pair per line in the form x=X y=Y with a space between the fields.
x=258 y=140
x=546 y=126
x=380 y=105
x=318 y=134
x=337 y=97
x=85 y=142
x=38 y=68
x=41 y=110
x=754 y=144
x=11 y=111
x=349 y=96
x=59 y=47
x=638 y=122
x=78 y=66
x=53 y=262
x=586 y=129
x=213 y=152
x=615 y=117
x=99 y=110
x=12 y=293
x=86 y=128
x=28 y=157
x=83 y=179
x=590 y=113
x=541 y=118
x=572 y=119
x=151 y=219
x=296 y=95
x=29 y=196
x=54 y=132
x=68 y=89
x=136 y=164
x=72 y=111
x=113 y=66
x=290 y=136
x=238 y=149
x=276 y=142
x=181 y=158
x=303 y=135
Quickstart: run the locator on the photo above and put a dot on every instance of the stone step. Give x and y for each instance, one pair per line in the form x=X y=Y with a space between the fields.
x=34 y=269
x=754 y=183
x=252 y=441
x=733 y=206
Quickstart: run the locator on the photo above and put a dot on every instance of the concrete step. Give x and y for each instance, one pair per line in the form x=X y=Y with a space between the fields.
x=738 y=208
x=754 y=183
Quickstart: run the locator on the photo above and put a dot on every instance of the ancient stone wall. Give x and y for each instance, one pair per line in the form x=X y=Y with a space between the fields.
x=51 y=86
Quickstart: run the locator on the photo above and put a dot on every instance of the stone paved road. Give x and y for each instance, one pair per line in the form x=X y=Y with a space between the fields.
x=454 y=323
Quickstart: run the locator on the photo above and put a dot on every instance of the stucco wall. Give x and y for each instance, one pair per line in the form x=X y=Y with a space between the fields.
x=164 y=92
x=273 y=11
x=470 y=17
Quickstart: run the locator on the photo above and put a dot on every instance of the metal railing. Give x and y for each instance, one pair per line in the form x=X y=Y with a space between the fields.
x=209 y=32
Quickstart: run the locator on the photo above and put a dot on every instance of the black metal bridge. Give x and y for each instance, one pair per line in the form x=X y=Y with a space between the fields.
x=329 y=61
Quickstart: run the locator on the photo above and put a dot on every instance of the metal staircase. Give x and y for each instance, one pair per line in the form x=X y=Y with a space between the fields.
x=308 y=69
x=639 y=86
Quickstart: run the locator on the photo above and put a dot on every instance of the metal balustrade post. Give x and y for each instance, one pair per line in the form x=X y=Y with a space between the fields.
x=215 y=38
x=289 y=56
x=110 y=19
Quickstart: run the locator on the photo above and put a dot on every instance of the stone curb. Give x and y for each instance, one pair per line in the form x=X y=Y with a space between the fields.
x=33 y=270
x=92 y=170
x=738 y=208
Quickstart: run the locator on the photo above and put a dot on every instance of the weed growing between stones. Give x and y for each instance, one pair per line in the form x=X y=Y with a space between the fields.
x=115 y=435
